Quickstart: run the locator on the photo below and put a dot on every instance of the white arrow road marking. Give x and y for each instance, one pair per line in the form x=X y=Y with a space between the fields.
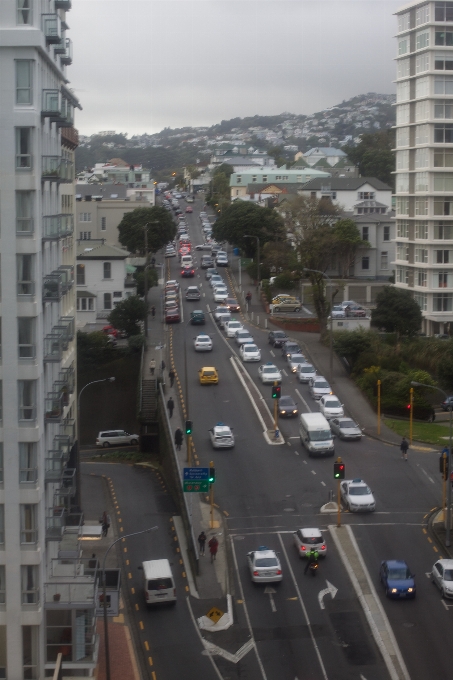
x=213 y=649
x=271 y=592
x=330 y=589
x=362 y=677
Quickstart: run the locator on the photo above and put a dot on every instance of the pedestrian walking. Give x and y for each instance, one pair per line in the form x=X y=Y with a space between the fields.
x=213 y=547
x=170 y=406
x=171 y=375
x=178 y=438
x=248 y=297
x=404 y=447
x=153 y=311
x=202 y=542
x=152 y=366
x=105 y=523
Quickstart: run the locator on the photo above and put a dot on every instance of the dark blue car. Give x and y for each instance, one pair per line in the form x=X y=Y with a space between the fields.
x=397 y=579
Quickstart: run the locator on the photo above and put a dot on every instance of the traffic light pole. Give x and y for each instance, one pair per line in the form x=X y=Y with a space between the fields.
x=379 y=407
x=339 y=503
x=411 y=404
x=189 y=450
x=444 y=483
x=211 y=499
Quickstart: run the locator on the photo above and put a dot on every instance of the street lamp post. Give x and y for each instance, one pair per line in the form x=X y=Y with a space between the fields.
x=93 y=382
x=104 y=594
x=448 y=523
x=318 y=271
x=257 y=255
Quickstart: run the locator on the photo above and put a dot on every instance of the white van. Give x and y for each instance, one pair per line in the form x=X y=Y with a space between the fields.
x=158 y=582
x=186 y=261
x=315 y=434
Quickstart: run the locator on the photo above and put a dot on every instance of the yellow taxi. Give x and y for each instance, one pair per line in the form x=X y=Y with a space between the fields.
x=283 y=298
x=208 y=375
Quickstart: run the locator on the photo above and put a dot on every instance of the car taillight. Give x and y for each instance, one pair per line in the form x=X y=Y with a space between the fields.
x=97 y=440
x=302 y=547
x=279 y=571
x=323 y=547
x=256 y=573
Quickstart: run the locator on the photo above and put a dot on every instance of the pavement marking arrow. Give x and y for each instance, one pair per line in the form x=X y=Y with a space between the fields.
x=330 y=589
x=271 y=592
x=213 y=649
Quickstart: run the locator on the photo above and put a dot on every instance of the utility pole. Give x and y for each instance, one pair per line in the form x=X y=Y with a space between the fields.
x=146 y=280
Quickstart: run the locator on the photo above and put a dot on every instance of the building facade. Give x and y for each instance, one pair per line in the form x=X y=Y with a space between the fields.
x=47 y=600
x=424 y=160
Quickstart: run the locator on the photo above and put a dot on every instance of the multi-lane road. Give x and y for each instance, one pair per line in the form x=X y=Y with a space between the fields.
x=267 y=492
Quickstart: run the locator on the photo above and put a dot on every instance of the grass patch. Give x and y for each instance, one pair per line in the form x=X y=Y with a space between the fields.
x=429 y=433
x=126 y=456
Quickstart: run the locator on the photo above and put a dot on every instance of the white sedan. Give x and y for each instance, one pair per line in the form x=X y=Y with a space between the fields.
x=220 y=294
x=268 y=373
x=264 y=565
x=305 y=372
x=294 y=360
x=232 y=326
x=250 y=353
x=442 y=576
x=221 y=436
x=202 y=343
x=331 y=407
x=357 y=496
x=318 y=387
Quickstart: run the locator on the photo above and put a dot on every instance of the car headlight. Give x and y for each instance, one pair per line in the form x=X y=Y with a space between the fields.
x=394 y=590
x=282 y=412
x=295 y=410
x=410 y=590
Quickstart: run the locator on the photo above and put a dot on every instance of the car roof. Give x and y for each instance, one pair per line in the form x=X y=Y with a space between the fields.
x=265 y=553
x=248 y=344
x=395 y=563
x=311 y=532
x=203 y=335
x=288 y=398
x=356 y=482
x=222 y=428
x=448 y=564
x=208 y=368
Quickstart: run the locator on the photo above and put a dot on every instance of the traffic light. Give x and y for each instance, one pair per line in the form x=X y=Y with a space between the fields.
x=443 y=465
x=189 y=426
x=276 y=391
x=211 y=475
x=338 y=470
x=408 y=407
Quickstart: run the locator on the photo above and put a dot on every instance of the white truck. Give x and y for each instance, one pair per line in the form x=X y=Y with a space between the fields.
x=315 y=434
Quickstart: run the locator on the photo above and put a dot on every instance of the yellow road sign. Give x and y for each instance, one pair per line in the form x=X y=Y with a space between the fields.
x=215 y=614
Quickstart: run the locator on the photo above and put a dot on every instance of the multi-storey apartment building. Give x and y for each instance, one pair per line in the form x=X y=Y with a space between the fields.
x=46 y=593
x=424 y=159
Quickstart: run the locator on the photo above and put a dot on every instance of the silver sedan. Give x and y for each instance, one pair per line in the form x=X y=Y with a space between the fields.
x=345 y=428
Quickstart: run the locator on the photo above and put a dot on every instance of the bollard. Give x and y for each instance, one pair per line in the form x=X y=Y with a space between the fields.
x=277 y=434
x=252 y=316
x=330 y=496
x=265 y=323
x=257 y=320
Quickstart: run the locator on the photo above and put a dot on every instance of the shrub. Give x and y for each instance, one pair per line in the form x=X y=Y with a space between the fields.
x=135 y=342
x=284 y=281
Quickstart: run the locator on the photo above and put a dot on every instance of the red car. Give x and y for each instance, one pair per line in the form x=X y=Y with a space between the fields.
x=189 y=209
x=109 y=330
x=188 y=272
x=233 y=305
x=172 y=315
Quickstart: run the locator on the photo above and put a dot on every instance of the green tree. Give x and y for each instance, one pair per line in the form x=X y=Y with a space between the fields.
x=244 y=217
x=277 y=154
x=139 y=276
x=348 y=241
x=93 y=350
x=161 y=229
x=128 y=314
x=374 y=155
x=397 y=312
x=219 y=191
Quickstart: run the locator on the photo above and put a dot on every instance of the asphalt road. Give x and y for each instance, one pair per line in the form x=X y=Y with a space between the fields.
x=267 y=492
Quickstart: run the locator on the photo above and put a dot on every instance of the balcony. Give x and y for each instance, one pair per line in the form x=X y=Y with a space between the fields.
x=53 y=407
x=52 y=288
x=66 y=379
x=54 y=345
x=55 y=227
x=63 y=4
x=51 y=26
x=66 y=170
x=55 y=525
x=51 y=168
x=69 y=323
x=51 y=104
x=67 y=114
x=70 y=137
x=67 y=271
x=66 y=57
x=55 y=464
x=68 y=430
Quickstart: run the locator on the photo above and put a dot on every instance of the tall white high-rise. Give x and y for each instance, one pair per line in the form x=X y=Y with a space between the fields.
x=424 y=159
x=46 y=592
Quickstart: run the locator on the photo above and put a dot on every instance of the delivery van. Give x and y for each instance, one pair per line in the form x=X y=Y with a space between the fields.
x=186 y=261
x=159 y=584
x=315 y=434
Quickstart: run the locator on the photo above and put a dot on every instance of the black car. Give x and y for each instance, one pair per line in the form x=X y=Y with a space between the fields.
x=287 y=407
x=290 y=348
x=207 y=263
x=447 y=404
x=188 y=273
x=277 y=338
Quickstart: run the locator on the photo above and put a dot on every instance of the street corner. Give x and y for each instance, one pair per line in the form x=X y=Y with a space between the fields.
x=272 y=439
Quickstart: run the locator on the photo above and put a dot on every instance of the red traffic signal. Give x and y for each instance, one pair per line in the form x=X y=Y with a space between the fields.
x=276 y=391
x=339 y=470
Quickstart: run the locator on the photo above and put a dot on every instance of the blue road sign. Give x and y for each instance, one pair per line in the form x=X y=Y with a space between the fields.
x=196 y=473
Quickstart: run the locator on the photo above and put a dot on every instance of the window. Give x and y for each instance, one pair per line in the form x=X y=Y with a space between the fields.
x=443 y=38
x=421 y=63
x=107 y=270
x=365 y=262
x=442 y=256
x=285 y=177
x=107 y=301
x=23 y=148
x=117 y=294
x=402 y=275
x=238 y=179
x=421 y=255
x=80 y=274
x=28 y=523
x=421 y=206
x=30 y=648
x=24 y=15
x=443 y=62
x=402 y=137
x=443 y=231
x=28 y=463
x=384 y=260
x=264 y=178
x=24 y=82
x=443 y=158
x=421 y=40
x=253 y=178
x=26 y=337
x=421 y=229
x=402 y=206
x=103 y=223
x=443 y=85
x=24 y=212
x=402 y=160
x=443 y=109
x=443 y=280
x=443 y=181
x=422 y=15
x=421 y=181
x=85 y=304
x=443 y=11
x=442 y=302
x=404 y=22
x=85 y=217
x=421 y=278
x=402 y=114
x=402 y=183
x=25 y=275
x=402 y=229
x=85 y=235
x=386 y=234
x=365 y=233
x=30 y=584
x=404 y=68
x=422 y=300
x=1 y=466
x=2 y=594
x=443 y=205
x=402 y=252
x=403 y=46
x=422 y=87
x=421 y=111
x=2 y=524
x=443 y=134
x=366 y=195
x=277 y=177
x=422 y=132
x=421 y=158
x=27 y=400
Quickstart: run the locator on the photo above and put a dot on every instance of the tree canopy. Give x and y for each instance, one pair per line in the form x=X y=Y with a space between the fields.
x=397 y=312
x=374 y=155
x=128 y=314
x=348 y=240
x=244 y=217
x=161 y=229
x=219 y=191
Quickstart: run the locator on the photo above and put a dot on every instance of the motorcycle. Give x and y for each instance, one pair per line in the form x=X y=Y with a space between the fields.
x=313 y=567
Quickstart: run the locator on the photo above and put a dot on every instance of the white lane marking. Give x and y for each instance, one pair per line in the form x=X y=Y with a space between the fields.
x=322 y=593
x=307 y=311
x=323 y=483
x=213 y=650
x=304 y=610
x=296 y=452
x=303 y=400
x=180 y=305
x=216 y=670
x=271 y=592
x=248 y=393
x=246 y=612
x=313 y=472
x=427 y=475
x=293 y=437
x=284 y=372
x=204 y=294
x=272 y=352
x=305 y=462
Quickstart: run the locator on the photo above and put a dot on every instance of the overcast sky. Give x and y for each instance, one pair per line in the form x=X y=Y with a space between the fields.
x=142 y=65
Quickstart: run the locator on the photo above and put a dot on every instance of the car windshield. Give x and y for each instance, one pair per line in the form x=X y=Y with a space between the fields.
x=279 y=334
x=204 y=340
x=359 y=490
x=399 y=574
x=307 y=369
x=266 y=562
x=250 y=348
x=287 y=401
x=208 y=373
x=234 y=324
x=269 y=369
x=332 y=404
x=448 y=575
x=347 y=424
x=320 y=384
x=297 y=358
x=312 y=540
x=320 y=435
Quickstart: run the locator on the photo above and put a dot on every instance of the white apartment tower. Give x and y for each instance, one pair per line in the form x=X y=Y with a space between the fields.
x=424 y=160
x=46 y=593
